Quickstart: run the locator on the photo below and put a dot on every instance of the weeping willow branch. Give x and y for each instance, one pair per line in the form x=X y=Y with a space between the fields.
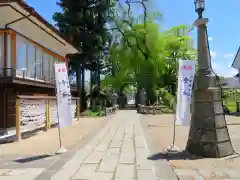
x=129 y=21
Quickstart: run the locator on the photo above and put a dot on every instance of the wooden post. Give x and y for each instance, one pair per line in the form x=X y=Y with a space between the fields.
x=35 y=62
x=50 y=113
x=47 y=122
x=18 y=120
x=78 y=109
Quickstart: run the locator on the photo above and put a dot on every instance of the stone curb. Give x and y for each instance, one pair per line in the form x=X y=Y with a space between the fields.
x=161 y=166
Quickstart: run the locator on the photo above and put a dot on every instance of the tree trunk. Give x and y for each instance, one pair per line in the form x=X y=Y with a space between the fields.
x=79 y=85
x=237 y=107
x=83 y=98
x=99 y=88
x=91 y=89
x=94 y=99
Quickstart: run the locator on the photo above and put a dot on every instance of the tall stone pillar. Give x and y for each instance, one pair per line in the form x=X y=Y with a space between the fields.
x=208 y=135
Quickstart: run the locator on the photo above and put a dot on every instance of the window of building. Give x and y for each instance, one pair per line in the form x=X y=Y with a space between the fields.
x=51 y=67
x=39 y=64
x=1 y=51
x=46 y=67
x=21 y=56
x=31 y=60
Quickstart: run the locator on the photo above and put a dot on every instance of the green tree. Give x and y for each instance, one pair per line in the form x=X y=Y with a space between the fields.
x=144 y=54
x=165 y=49
x=232 y=95
x=83 y=23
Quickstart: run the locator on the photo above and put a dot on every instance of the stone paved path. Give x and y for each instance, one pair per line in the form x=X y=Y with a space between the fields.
x=118 y=152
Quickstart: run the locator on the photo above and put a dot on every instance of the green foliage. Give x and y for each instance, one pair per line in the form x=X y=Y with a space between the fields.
x=231 y=97
x=159 y=70
x=231 y=94
x=166 y=98
x=83 y=23
x=96 y=113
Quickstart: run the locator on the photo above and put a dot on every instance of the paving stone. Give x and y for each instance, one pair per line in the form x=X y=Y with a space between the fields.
x=85 y=171
x=109 y=163
x=183 y=177
x=20 y=177
x=77 y=160
x=125 y=171
x=116 y=144
x=113 y=151
x=26 y=171
x=163 y=171
x=87 y=148
x=138 y=130
x=129 y=130
x=120 y=133
x=64 y=174
x=114 y=147
x=94 y=157
x=101 y=176
x=234 y=174
x=142 y=162
x=102 y=147
x=127 y=158
x=217 y=174
x=139 y=142
x=189 y=172
x=145 y=175
x=128 y=145
x=4 y=171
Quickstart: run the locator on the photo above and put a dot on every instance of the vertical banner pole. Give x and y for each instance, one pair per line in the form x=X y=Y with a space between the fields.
x=64 y=110
x=61 y=149
x=173 y=147
x=186 y=73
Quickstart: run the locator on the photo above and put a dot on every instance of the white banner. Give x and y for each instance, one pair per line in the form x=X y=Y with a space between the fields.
x=186 y=73
x=63 y=95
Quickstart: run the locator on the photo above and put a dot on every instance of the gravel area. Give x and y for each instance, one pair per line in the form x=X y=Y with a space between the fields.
x=159 y=129
x=48 y=142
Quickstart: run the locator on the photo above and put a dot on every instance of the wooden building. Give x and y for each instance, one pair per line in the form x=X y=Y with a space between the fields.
x=29 y=47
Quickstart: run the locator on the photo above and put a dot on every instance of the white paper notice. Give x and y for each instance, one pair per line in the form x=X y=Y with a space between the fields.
x=63 y=95
x=186 y=75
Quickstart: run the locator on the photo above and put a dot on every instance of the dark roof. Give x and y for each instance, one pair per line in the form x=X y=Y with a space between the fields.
x=235 y=58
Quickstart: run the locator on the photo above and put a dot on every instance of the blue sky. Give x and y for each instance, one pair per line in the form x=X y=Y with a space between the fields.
x=223 y=28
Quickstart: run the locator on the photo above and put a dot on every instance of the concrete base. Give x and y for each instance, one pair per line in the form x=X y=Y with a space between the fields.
x=61 y=150
x=173 y=149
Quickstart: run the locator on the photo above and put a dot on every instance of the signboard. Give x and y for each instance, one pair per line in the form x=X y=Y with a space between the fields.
x=63 y=95
x=186 y=75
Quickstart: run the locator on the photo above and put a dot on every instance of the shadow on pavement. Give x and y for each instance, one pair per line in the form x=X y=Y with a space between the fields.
x=180 y=155
x=30 y=159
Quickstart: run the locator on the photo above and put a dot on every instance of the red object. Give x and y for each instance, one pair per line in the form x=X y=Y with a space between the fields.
x=59 y=70
x=63 y=69
x=187 y=67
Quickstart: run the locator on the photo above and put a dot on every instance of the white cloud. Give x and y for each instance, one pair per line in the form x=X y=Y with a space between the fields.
x=210 y=39
x=228 y=55
x=213 y=54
